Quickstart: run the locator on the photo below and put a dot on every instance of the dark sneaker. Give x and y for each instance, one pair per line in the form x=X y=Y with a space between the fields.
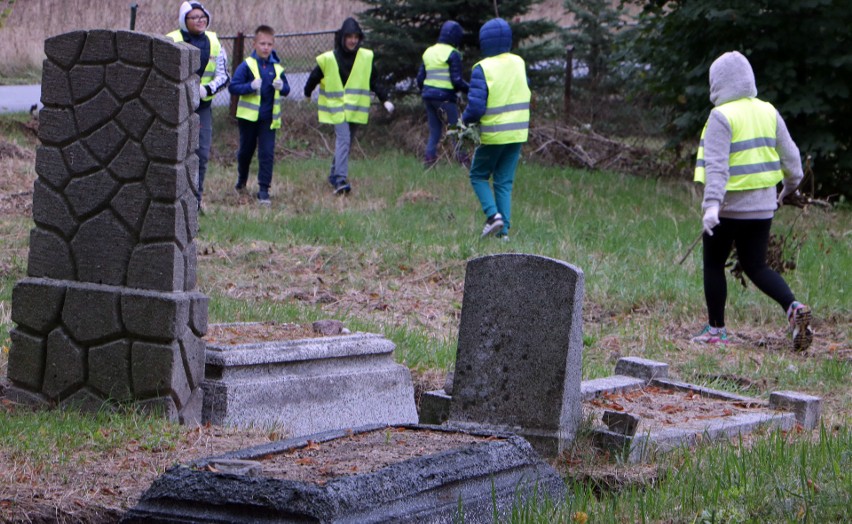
x=711 y=335
x=241 y=190
x=492 y=225
x=430 y=161
x=263 y=198
x=799 y=317
x=342 y=188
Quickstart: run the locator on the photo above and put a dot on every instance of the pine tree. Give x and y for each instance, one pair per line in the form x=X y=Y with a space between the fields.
x=400 y=30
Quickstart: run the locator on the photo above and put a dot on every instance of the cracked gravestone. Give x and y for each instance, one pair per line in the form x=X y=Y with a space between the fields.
x=109 y=310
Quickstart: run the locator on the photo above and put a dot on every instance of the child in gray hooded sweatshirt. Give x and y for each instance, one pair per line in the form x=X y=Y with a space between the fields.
x=745 y=150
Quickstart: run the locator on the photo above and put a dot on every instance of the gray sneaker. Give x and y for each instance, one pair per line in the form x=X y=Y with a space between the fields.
x=492 y=225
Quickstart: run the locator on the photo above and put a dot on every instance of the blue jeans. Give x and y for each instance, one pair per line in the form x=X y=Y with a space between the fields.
x=434 y=110
x=343 y=135
x=256 y=135
x=499 y=161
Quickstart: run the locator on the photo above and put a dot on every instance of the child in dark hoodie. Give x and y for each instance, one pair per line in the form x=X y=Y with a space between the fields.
x=346 y=77
x=260 y=83
x=194 y=20
x=745 y=150
x=499 y=100
x=439 y=78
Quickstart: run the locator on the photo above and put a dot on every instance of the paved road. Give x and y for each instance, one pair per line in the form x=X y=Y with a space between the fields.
x=16 y=99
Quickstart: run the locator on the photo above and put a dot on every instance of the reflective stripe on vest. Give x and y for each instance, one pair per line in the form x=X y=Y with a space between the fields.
x=248 y=108
x=210 y=68
x=436 y=65
x=507 y=113
x=753 y=162
x=349 y=103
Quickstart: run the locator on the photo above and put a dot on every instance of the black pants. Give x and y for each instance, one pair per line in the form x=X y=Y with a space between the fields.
x=751 y=238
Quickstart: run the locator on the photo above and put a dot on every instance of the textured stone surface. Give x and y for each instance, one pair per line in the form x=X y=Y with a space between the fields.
x=435 y=407
x=109 y=270
x=56 y=126
x=473 y=484
x=51 y=167
x=158 y=316
x=38 y=304
x=64 y=367
x=109 y=370
x=520 y=349
x=805 y=407
x=64 y=49
x=79 y=160
x=51 y=211
x=49 y=256
x=102 y=248
x=616 y=384
x=90 y=193
x=91 y=313
x=26 y=362
x=641 y=368
x=156 y=266
x=623 y=423
x=86 y=80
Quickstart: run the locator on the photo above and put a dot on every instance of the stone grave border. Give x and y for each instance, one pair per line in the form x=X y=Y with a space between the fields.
x=633 y=373
x=480 y=478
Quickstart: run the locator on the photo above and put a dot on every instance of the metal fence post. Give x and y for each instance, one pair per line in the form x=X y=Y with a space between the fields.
x=569 y=74
x=133 y=8
x=236 y=60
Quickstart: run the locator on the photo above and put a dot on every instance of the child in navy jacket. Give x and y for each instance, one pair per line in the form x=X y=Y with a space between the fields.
x=261 y=83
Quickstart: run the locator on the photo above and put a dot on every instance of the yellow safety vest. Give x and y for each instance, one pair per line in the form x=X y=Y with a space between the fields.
x=210 y=67
x=349 y=103
x=507 y=112
x=248 y=107
x=437 y=67
x=753 y=162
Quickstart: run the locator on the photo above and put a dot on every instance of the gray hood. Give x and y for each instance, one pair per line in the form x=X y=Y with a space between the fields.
x=185 y=8
x=731 y=78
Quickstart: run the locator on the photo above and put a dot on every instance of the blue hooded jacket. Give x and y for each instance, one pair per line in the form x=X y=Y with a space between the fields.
x=495 y=38
x=451 y=34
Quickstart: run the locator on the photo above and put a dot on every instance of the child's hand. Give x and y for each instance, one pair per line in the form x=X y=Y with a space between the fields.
x=255 y=84
x=278 y=84
x=389 y=106
x=202 y=91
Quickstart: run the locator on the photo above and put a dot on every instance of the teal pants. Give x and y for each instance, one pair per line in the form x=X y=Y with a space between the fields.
x=497 y=161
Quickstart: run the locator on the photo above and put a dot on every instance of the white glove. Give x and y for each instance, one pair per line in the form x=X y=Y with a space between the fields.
x=278 y=84
x=202 y=91
x=255 y=84
x=389 y=106
x=711 y=219
x=786 y=190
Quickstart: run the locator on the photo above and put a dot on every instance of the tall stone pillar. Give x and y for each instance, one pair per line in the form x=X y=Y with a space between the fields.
x=109 y=309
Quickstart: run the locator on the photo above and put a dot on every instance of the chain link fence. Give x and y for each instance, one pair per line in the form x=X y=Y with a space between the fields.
x=297 y=52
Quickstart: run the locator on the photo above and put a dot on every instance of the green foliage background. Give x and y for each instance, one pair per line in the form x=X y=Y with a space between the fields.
x=800 y=53
x=400 y=30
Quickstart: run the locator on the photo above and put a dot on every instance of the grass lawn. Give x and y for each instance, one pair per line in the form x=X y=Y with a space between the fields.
x=390 y=258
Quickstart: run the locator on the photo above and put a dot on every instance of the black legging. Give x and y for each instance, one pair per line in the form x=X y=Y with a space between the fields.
x=752 y=239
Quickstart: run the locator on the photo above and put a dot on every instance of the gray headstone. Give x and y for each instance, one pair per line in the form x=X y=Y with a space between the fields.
x=105 y=312
x=520 y=349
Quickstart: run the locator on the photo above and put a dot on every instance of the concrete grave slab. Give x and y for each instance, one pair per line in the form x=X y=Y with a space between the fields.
x=308 y=385
x=520 y=349
x=468 y=481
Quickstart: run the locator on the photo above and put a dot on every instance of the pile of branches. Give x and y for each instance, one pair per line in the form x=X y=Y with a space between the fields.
x=561 y=144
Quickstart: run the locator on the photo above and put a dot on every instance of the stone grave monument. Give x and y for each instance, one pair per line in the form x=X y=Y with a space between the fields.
x=518 y=364
x=109 y=308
